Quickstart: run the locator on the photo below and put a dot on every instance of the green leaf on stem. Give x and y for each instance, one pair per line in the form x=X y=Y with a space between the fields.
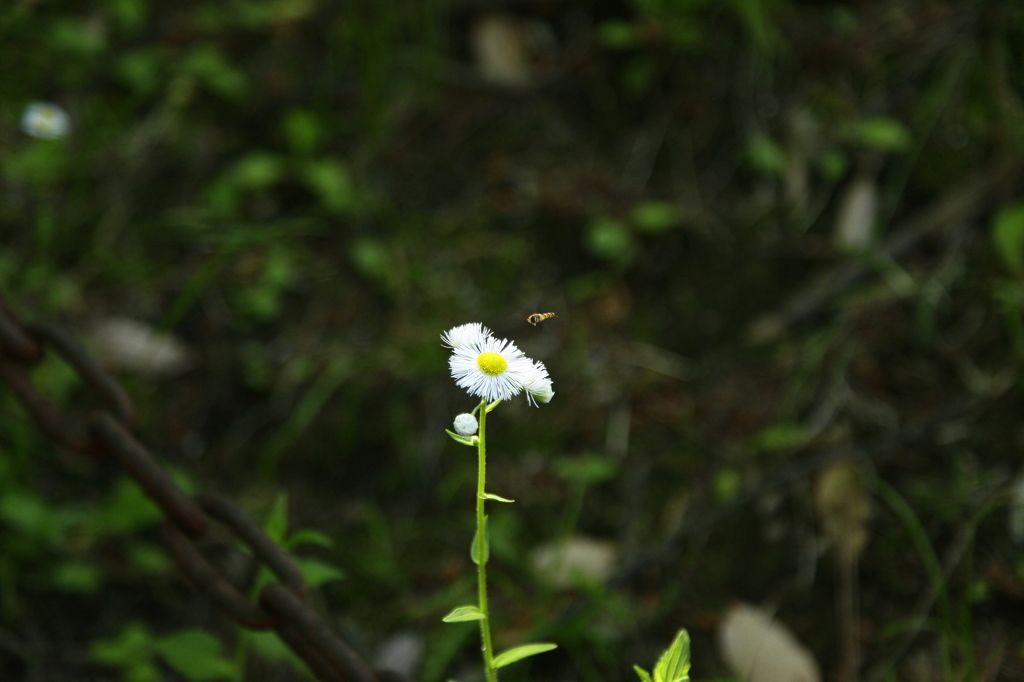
x=475 y=553
x=521 y=652
x=465 y=440
x=674 y=664
x=496 y=498
x=644 y=675
x=493 y=405
x=461 y=614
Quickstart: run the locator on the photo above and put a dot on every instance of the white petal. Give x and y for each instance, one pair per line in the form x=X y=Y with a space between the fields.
x=537 y=384
x=467 y=336
x=760 y=649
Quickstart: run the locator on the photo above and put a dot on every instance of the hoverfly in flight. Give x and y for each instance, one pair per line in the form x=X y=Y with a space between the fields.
x=538 y=317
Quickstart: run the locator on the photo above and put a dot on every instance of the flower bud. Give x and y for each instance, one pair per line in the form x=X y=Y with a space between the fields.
x=466 y=425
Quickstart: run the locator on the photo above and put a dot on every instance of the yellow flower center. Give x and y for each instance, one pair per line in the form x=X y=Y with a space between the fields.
x=491 y=363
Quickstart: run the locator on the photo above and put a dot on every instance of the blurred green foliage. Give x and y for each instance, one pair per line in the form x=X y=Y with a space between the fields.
x=308 y=193
x=195 y=654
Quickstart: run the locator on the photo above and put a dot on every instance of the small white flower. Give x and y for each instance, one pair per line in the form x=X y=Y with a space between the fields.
x=487 y=367
x=468 y=336
x=46 y=121
x=466 y=425
x=537 y=385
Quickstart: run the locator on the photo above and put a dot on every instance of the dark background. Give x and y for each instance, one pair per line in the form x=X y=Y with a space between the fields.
x=776 y=235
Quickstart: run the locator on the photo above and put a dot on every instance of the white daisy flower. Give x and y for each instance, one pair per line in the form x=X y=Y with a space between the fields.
x=468 y=336
x=537 y=385
x=46 y=121
x=466 y=425
x=485 y=366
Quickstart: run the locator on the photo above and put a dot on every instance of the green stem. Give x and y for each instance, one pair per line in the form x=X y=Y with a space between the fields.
x=481 y=538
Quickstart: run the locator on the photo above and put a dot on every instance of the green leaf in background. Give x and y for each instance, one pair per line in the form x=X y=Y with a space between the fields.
x=141 y=69
x=208 y=65
x=609 y=239
x=1008 y=237
x=41 y=162
x=655 y=216
x=268 y=645
x=587 y=470
x=279 y=269
x=307 y=536
x=617 y=35
x=521 y=652
x=674 y=664
x=131 y=650
x=128 y=15
x=330 y=180
x=257 y=170
x=317 y=573
x=30 y=515
x=780 y=437
x=461 y=614
x=727 y=484
x=196 y=654
x=832 y=163
x=127 y=510
x=303 y=130
x=261 y=303
x=765 y=156
x=276 y=524
x=371 y=258
x=78 y=38
x=475 y=553
x=77 y=577
x=149 y=559
x=882 y=133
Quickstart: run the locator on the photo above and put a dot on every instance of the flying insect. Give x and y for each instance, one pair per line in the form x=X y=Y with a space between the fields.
x=538 y=317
